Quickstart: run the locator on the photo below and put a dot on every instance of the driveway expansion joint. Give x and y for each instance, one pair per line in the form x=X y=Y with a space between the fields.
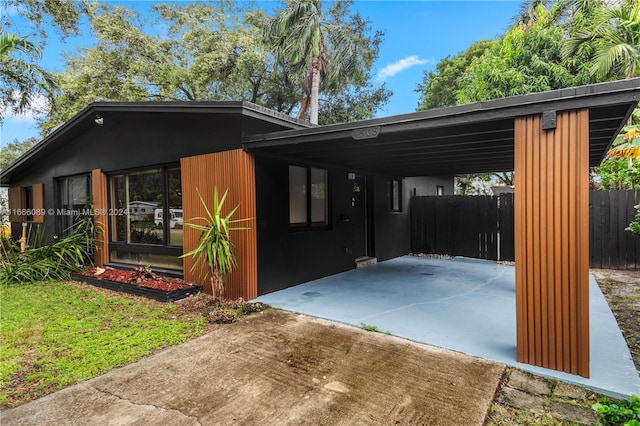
x=106 y=392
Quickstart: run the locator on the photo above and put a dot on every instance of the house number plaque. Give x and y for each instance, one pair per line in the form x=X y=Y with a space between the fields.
x=366 y=133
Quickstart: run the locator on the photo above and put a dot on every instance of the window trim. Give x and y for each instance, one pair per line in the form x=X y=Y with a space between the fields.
x=309 y=225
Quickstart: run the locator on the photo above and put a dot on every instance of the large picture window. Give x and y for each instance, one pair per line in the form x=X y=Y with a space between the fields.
x=146 y=217
x=308 y=198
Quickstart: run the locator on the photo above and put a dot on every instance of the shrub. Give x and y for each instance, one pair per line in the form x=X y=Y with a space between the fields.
x=52 y=262
x=613 y=413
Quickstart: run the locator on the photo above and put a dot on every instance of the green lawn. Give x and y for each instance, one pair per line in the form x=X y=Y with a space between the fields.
x=56 y=334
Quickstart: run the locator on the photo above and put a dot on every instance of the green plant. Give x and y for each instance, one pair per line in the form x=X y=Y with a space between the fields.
x=52 y=262
x=141 y=275
x=624 y=412
x=634 y=227
x=214 y=248
x=368 y=327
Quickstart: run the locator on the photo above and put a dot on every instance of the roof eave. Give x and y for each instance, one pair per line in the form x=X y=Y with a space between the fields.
x=616 y=92
x=242 y=107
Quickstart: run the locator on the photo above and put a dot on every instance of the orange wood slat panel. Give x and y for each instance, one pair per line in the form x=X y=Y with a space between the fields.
x=520 y=251
x=100 y=217
x=582 y=124
x=37 y=191
x=16 y=203
x=232 y=170
x=552 y=242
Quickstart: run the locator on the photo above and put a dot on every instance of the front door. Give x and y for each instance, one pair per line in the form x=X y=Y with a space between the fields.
x=359 y=216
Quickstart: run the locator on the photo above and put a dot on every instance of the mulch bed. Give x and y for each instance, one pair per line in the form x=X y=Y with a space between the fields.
x=140 y=281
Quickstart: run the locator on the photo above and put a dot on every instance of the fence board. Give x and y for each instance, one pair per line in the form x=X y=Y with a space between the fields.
x=483 y=227
x=458 y=226
x=505 y=226
x=611 y=246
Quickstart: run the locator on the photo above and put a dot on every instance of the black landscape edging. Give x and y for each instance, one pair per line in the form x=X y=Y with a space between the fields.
x=152 y=293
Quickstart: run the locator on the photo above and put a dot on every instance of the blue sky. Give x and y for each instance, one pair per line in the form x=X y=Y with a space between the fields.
x=417 y=35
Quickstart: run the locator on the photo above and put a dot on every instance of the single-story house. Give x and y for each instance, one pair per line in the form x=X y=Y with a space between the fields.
x=322 y=198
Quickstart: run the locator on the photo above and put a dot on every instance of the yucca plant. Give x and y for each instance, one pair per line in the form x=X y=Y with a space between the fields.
x=214 y=248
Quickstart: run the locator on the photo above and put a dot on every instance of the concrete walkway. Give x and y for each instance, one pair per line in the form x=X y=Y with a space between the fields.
x=462 y=304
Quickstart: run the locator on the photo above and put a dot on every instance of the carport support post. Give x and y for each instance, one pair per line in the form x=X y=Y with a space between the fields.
x=552 y=240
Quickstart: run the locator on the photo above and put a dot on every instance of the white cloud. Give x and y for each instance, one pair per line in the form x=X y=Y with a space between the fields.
x=398 y=66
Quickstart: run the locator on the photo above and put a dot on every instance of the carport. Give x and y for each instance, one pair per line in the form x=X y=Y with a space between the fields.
x=550 y=140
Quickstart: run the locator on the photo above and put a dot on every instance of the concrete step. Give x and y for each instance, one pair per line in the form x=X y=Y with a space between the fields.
x=364 y=261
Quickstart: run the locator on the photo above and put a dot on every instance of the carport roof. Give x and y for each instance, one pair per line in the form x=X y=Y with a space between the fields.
x=472 y=138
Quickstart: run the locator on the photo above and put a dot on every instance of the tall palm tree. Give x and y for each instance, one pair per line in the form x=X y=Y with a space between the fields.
x=21 y=79
x=302 y=36
x=616 y=37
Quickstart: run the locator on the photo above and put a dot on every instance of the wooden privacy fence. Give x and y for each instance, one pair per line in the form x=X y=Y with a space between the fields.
x=472 y=226
x=610 y=246
x=483 y=227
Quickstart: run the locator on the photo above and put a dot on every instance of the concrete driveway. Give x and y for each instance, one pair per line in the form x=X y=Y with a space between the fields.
x=279 y=368
x=467 y=305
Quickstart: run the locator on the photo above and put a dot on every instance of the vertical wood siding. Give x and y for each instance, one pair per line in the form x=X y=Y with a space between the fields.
x=37 y=191
x=232 y=170
x=100 y=217
x=552 y=242
x=16 y=202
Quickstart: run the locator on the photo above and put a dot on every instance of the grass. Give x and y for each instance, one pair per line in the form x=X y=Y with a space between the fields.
x=368 y=327
x=56 y=334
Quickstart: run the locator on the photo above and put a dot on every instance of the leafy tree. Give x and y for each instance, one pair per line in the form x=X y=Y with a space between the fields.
x=314 y=45
x=205 y=54
x=21 y=80
x=14 y=149
x=208 y=52
x=527 y=59
x=63 y=14
x=352 y=104
x=505 y=178
x=473 y=184
x=619 y=173
x=614 y=33
x=439 y=87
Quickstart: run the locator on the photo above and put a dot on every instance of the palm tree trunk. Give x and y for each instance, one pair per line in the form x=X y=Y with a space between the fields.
x=304 y=107
x=315 y=88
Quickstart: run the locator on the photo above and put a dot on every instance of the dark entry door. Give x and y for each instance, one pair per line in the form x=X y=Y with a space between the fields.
x=359 y=216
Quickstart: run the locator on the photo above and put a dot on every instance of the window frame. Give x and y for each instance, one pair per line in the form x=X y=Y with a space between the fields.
x=309 y=225
x=62 y=221
x=166 y=248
